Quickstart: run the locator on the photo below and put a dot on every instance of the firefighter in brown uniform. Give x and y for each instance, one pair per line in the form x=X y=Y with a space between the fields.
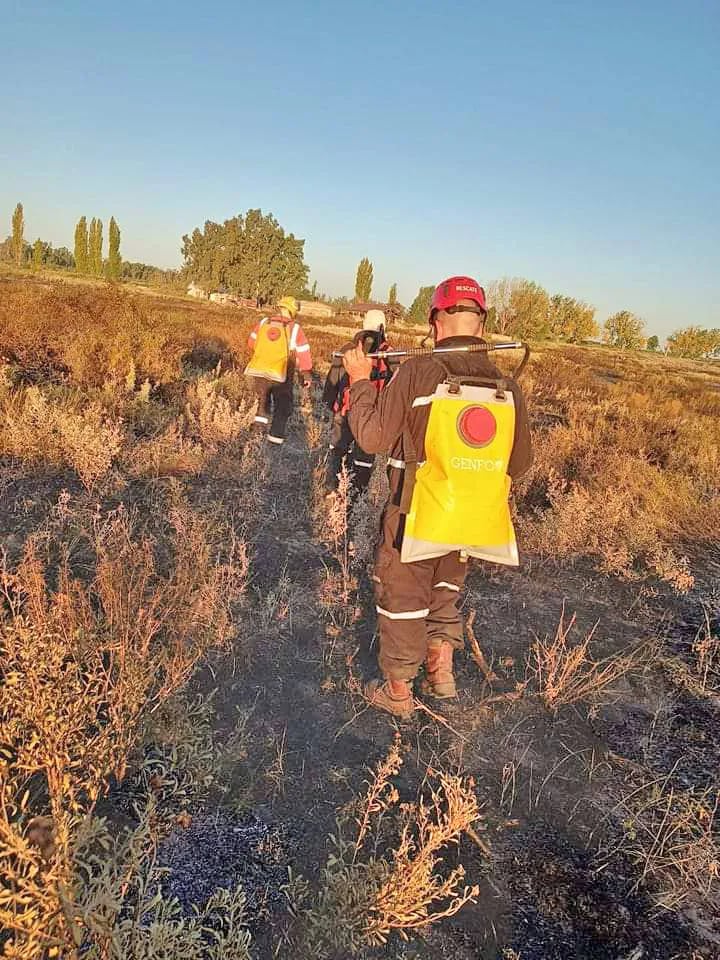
x=418 y=618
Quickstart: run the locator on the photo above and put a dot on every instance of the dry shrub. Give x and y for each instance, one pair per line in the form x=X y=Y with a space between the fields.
x=93 y=334
x=61 y=431
x=365 y=518
x=412 y=895
x=565 y=673
x=706 y=648
x=212 y=418
x=331 y=516
x=672 y=835
x=624 y=472
x=169 y=454
x=82 y=666
x=363 y=902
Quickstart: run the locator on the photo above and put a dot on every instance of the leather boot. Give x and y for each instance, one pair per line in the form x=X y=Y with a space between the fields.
x=439 y=681
x=394 y=696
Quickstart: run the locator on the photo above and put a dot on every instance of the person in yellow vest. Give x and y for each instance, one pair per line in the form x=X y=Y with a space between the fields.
x=457 y=434
x=279 y=349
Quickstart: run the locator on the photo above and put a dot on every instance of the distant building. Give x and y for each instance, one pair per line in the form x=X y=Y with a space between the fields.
x=360 y=309
x=223 y=298
x=393 y=311
x=314 y=308
x=194 y=290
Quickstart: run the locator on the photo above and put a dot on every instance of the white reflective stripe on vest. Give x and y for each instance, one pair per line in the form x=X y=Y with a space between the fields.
x=262 y=420
x=423 y=401
x=409 y=615
x=447 y=586
x=400 y=464
x=272 y=439
x=304 y=349
x=294 y=336
x=362 y=463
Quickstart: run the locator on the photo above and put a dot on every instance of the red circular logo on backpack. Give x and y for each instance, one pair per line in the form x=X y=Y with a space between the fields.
x=273 y=334
x=477 y=426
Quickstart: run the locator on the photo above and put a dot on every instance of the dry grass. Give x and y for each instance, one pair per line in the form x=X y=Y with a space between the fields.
x=625 y=472
x=43 y=430
x=671 y=835
x=83 y=664
x=109 y=611
x=706 y=648
x=565 y=672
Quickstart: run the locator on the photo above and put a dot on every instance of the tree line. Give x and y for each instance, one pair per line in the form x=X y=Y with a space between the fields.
x=86 y=259
x=252 y=256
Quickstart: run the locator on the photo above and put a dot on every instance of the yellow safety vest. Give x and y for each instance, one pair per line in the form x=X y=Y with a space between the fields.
x=460 y=495
x=271 y=353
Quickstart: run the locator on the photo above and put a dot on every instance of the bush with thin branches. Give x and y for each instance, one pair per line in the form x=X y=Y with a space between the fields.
x=82 y=665
x=362 y=901
x=565 y=672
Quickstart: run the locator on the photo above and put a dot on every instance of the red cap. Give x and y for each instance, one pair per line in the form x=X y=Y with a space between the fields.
x=450 y=292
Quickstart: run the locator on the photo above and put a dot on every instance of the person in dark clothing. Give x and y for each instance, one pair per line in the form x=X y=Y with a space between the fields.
x=344 y=449
x=417 y=610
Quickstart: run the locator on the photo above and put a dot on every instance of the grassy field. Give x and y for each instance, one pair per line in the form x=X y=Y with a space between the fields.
x=186 y=765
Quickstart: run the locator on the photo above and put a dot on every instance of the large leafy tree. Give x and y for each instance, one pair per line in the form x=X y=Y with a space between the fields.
x=571 y=319
x=499 y=295
x=694 y=342
x=420 y=307
x=18 y=228
x=250 y=255
x=114 y=261
x=624 y=330
x=529 y=310
x=364 y=281
x=81 y=246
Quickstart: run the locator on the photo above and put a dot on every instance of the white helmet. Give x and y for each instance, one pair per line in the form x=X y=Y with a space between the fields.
x=374 y=320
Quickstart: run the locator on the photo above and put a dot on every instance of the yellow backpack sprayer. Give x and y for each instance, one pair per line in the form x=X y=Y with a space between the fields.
x=457 y=498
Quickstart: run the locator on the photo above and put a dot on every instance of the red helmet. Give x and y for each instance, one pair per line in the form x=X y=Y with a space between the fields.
x=450 y=292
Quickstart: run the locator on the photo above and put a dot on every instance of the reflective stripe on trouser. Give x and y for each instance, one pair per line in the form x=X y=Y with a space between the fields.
x=416 y=603
x=359 y=464
x=275 y=404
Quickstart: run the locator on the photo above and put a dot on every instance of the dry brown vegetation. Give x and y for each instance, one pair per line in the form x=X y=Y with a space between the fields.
x=627 y=466
x=138 y=514
x=565 y=673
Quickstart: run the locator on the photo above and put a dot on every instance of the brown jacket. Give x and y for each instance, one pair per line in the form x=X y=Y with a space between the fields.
x=379 y=420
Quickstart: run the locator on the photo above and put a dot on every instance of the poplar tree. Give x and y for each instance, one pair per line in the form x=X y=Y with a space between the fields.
x=392 y=296
x=420 y=307
x=18 y=227
x=114 y=261
x=81 y=246
x=95 y=240
x=38 y=249
x=364 y=281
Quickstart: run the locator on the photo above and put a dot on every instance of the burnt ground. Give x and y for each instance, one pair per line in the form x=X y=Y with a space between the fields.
x=548 y=784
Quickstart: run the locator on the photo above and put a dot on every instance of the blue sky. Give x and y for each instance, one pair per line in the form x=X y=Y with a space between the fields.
x=577 y=144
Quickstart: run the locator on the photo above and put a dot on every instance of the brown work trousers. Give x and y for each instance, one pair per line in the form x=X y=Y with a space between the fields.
x=416 y=602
